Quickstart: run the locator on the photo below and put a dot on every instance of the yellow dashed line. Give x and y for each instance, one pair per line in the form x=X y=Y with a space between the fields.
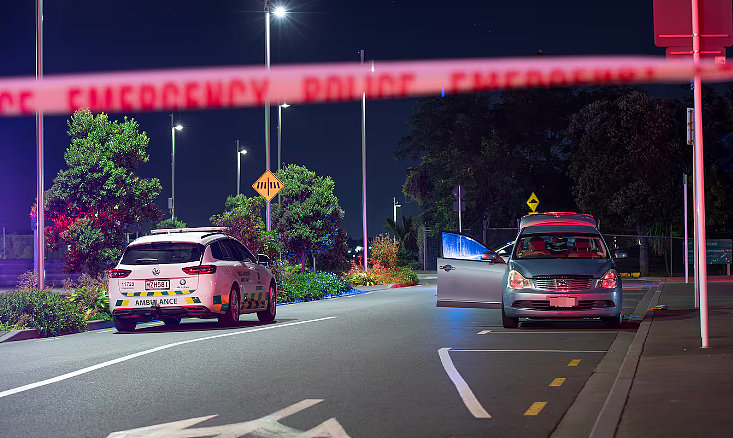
x=558 y=382
x=48 y=339
x=106 y=331
x=367 y=293
x=574 y=363
x=535 y=408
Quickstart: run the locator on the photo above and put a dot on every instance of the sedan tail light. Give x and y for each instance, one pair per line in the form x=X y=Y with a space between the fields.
x=202 y=269
x=119 y=273
x=609 y=280
x=517 y=280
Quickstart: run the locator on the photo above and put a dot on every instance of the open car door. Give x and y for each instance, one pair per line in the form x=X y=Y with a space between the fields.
x=469 y=274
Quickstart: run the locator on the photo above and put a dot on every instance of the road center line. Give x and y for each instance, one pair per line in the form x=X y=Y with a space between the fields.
x=483 y=332
x=538 y=351
x=465 y=392
x=558 y=381
x=535 y=408
x=574 y=362
x=145 y=352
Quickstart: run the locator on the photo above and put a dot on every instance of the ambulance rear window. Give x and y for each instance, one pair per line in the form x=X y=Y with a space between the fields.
x=160 y=253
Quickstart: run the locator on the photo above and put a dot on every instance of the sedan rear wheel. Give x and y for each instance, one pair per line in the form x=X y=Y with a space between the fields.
x=614 y=322
x=124 y=324
x=269 y=314
x=172 y=322
x=231 y=316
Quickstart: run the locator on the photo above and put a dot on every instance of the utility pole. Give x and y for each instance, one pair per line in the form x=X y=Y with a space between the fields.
x=395 y=204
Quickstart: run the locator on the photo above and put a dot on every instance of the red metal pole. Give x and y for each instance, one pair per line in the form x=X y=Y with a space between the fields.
x=700 y=181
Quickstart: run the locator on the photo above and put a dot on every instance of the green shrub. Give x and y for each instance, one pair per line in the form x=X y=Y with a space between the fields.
x=89 y=295
x=406 y=276
x=43 y=310
x=311 y=286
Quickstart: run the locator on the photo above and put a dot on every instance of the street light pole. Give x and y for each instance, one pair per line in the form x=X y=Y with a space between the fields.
x=279 y=138
x=172 y=203
x=40 y=204
x=239 y=167
x=363 y=173
x=394 y=213
x=240 y=152
x=267 y=102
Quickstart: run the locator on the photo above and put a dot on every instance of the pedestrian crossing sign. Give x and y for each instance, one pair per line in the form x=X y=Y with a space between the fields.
x=268 y=185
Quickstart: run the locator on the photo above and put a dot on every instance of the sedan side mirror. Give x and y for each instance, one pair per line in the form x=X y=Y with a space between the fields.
x=263 y=259
x=620 y=254
x=489 y=256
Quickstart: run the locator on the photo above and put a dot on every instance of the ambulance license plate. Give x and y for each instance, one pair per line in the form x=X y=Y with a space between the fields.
x=157 y=284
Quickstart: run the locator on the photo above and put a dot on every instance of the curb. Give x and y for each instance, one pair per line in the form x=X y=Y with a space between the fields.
x=394 y=286
x=25 y=334
x=610 y=416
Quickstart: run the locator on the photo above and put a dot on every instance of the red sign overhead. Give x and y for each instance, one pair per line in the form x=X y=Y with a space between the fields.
x=681 y=53
x=673 y=24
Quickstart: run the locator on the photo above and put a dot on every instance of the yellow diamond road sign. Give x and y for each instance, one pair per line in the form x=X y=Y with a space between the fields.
x=268 y=185
x=533 y=202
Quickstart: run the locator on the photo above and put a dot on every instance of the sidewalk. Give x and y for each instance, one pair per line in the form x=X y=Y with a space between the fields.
x=681 y=389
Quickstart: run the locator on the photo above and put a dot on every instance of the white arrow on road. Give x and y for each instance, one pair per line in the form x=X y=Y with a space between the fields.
x=264 y=427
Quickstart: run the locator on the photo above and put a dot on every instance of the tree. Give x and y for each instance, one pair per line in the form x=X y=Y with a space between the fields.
x=95 y=201
x=243 y=219
x=309 y=218
x=169 y=223
x=626 y=157
x=457 y=142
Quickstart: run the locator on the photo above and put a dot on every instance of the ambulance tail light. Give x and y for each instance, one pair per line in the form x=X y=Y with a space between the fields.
x=119 y=273
x=202 y=269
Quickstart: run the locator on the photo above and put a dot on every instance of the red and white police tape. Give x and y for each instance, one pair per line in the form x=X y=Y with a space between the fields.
x=228 y=87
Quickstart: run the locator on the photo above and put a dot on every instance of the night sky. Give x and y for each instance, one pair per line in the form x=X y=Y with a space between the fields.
x=93 y=36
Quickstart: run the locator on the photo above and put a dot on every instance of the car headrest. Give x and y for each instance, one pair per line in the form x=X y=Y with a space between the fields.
x=537 y=244
x=582 y=244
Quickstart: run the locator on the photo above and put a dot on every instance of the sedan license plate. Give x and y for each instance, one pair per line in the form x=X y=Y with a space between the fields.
x=157 y=284
x=563 y=302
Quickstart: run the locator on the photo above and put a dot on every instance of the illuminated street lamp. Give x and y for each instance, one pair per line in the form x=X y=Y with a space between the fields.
x=279 y=12
x=240 y=152
x=172 y=200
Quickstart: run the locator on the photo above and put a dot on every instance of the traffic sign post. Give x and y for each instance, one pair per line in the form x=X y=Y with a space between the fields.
x=459 y=205
x=268 y=185
x=533 y=202
x=701 y=31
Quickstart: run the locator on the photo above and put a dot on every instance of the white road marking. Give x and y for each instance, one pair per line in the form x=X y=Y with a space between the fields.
x=569 y=332
x=465 y=392
x=143 y=353
x=483 y=332
x=430 y=278
x=265 y=426
x=537 y=351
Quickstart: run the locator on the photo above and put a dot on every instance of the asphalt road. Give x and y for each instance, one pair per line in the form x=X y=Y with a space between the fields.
x=367 y=365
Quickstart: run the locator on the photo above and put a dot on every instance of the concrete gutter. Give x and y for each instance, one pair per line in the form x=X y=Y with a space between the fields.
x=592 y=403
x=610 y=416
x=24 y=334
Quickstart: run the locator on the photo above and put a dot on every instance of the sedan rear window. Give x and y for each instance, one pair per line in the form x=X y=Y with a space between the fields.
x=562 y=246
x=160 y=253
